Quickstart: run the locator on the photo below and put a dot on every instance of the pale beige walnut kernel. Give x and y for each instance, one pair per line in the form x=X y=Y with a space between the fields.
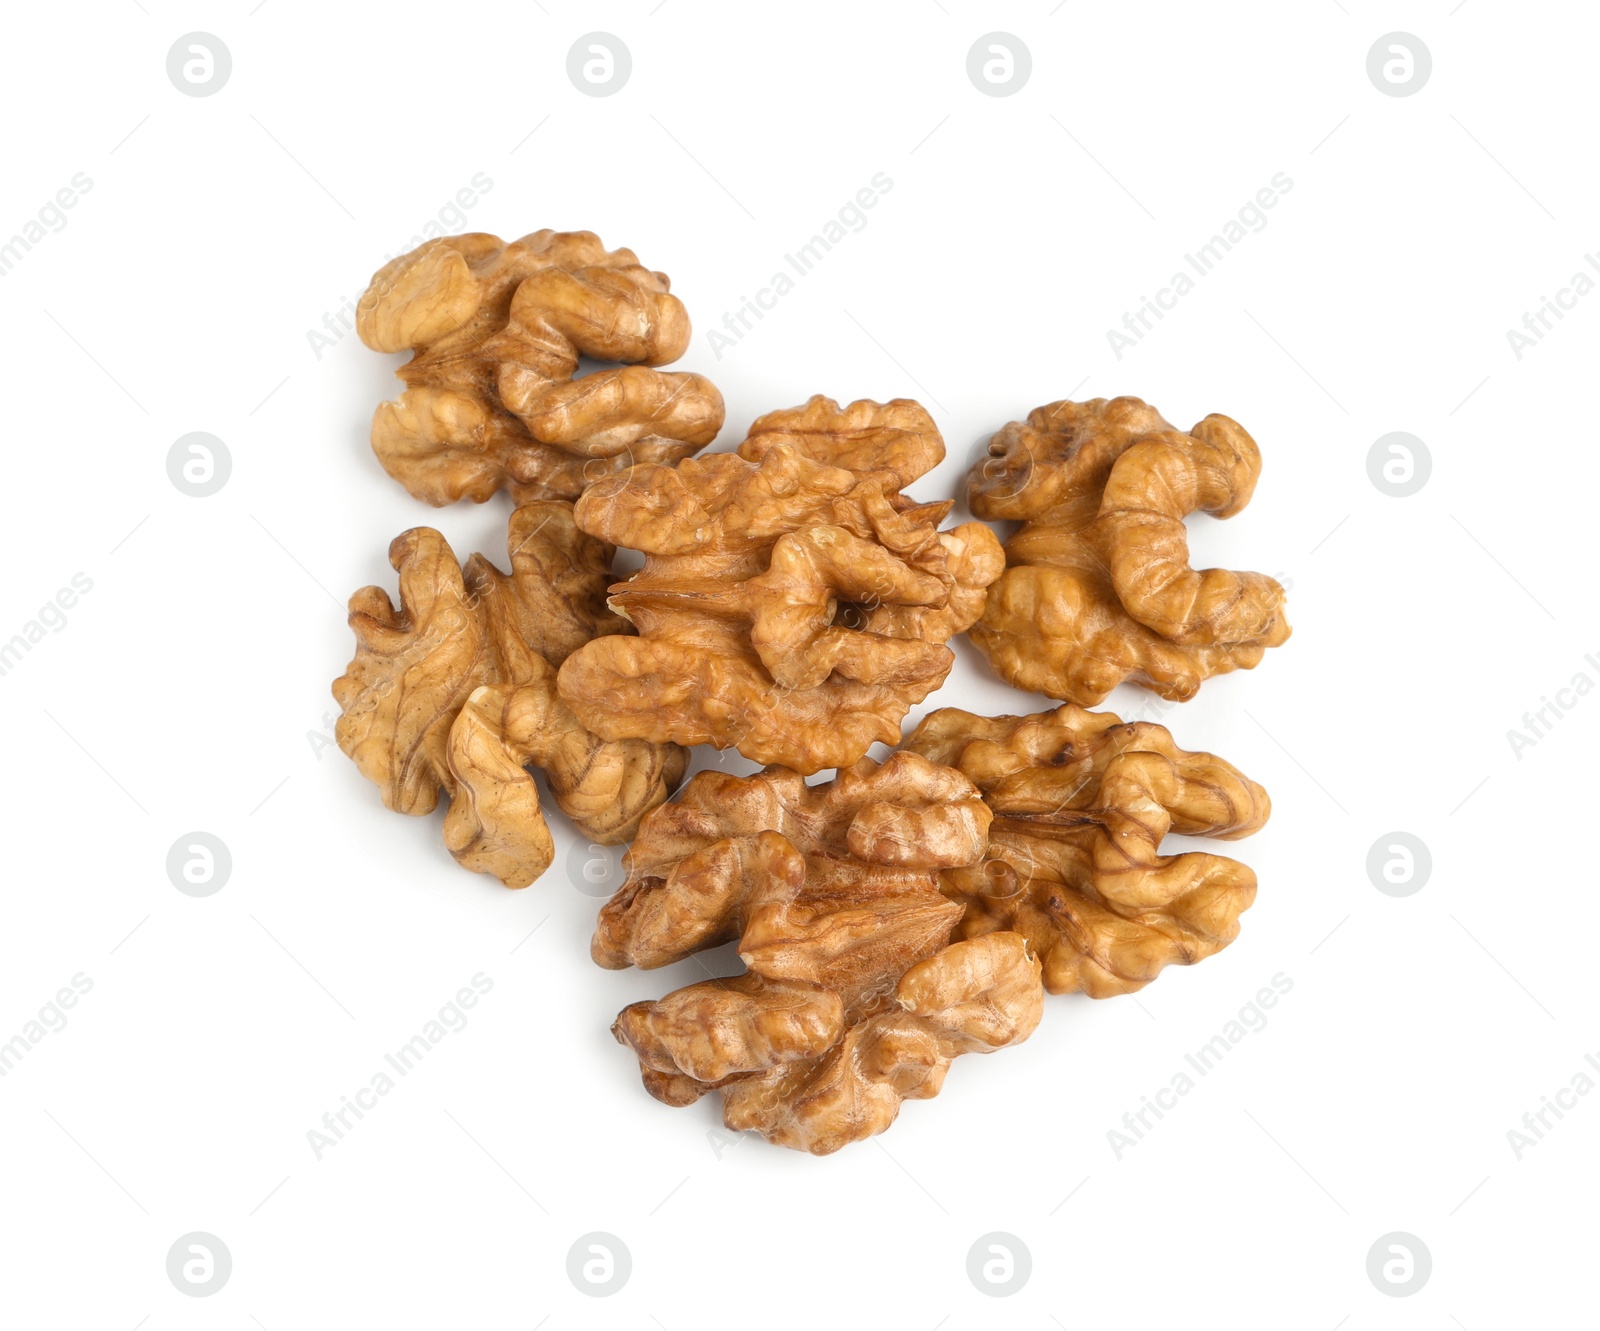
x=455 y=691
x=497 y=330
x=1098 y=586
x=1081 y=802
x=854 y=998
x=793 y=603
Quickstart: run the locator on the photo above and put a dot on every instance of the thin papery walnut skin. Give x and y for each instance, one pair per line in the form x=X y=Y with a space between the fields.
x=793 y=603
x=496 y=330
x=455 y=691
x=854 y=999
x=1098 y=587
x=1081 y=802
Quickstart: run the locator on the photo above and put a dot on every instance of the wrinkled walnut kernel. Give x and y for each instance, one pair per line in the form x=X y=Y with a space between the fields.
x=1081 y=802
x=793 y=603
x=496 y=330
x=1098 y=587
x=456 y=691
x=854 y=998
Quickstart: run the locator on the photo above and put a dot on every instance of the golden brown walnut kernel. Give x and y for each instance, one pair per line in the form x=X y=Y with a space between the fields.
x=1081 y=801
x=854 y=998
x=456 y=690
x=793 y=603
x=496 y=331
x=1098 y=587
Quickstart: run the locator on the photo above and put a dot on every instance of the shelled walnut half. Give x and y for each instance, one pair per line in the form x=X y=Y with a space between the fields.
x=1081 y=802
x=1098 y=587
x=793 y=603
x=496 y=330
x=854 y=999
x=456 y=691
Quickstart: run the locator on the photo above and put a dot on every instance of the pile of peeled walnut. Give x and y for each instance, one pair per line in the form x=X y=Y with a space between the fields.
x=795 y=604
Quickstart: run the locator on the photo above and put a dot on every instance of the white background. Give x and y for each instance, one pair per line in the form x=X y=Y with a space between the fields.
x=189 y=689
